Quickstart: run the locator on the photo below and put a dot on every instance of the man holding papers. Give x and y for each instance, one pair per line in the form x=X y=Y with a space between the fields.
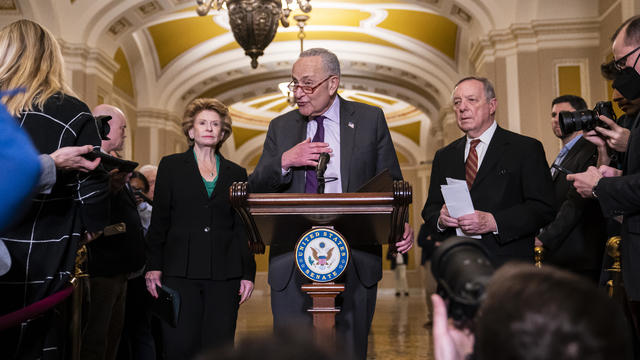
x=508 y=195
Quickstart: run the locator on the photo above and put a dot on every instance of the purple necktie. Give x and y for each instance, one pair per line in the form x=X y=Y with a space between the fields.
x=312 y=182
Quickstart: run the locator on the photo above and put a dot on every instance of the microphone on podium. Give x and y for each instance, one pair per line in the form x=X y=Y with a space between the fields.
x=320 y=169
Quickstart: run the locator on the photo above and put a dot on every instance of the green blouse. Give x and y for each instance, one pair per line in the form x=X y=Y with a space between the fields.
x=210 y=185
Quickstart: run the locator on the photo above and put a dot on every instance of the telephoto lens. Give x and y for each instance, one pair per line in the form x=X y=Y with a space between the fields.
x=572 y=121
x=463 y=268
x=585 y=120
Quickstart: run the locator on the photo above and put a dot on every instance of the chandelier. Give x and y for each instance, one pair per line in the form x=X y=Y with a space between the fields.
x=254 y=22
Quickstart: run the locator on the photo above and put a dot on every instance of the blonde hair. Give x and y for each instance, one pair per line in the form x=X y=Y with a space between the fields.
x=30 y=58
x=197 y=106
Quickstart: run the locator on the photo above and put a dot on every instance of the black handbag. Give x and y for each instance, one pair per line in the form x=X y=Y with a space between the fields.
x=167 y=305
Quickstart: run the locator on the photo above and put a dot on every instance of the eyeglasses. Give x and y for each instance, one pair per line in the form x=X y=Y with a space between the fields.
x=305 y=89
x=622 y=62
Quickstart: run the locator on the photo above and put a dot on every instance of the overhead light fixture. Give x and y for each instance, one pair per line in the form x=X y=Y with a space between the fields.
x=254 y=22
x=284 y=87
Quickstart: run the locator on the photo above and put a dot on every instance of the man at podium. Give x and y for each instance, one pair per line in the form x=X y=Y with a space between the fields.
x=357 y=139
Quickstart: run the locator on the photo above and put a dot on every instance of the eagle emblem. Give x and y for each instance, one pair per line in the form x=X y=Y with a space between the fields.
x=322 y=254
x=323 y=258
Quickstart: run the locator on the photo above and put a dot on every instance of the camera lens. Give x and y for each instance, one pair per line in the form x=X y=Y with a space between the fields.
x=571 y=122
x=462 y=268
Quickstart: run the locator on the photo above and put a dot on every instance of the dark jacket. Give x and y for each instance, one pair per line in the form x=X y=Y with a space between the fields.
x=620 y=195
x=575 y=239
x=124 y=252
x=44 y=242
x=513 y=184
x=191 y=234
x=366 y=150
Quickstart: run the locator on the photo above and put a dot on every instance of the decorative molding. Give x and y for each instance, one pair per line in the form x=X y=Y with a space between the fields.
x=539 y=34
x=8 y=5
x=88 y=60
x=149 y=8
x=119 y=27
x=583 y=63
x=159 y=119
x=460 y=14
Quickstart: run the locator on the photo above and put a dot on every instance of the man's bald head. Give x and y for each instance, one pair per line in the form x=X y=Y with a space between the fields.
x=117 y=124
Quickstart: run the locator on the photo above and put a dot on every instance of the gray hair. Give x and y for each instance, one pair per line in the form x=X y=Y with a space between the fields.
x=329 y=59
x=489 y=92
x=148 y=168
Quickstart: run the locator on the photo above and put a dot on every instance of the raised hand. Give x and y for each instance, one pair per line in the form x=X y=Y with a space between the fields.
x=305 y=153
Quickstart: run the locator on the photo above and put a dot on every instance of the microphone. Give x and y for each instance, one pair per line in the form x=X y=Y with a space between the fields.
x=320 y=169
x=322 y=164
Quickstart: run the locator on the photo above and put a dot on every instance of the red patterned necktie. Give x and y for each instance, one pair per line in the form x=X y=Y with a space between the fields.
x=471 y=166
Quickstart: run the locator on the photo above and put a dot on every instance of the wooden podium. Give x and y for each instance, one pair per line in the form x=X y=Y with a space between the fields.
x=362 y=218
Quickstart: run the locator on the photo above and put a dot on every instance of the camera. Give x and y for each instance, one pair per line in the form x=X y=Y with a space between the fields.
x=462 y=268
x=102 y=122
x=143 y=197
x=585 y=120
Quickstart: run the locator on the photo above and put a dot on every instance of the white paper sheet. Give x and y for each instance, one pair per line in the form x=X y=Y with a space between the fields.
x=458 y=199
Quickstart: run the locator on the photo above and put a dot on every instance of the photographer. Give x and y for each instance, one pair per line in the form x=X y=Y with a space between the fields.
x=631 y=108
x=575 y=239
x=115 y=255
x=620 y=195
x=531 y=313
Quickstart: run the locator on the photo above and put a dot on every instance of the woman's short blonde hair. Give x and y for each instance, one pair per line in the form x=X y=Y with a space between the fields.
x=197 y=106
x=30 y=58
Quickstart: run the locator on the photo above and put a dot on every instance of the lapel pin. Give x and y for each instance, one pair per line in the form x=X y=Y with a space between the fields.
x=351 y=125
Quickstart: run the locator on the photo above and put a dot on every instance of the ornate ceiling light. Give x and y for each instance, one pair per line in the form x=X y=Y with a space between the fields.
x=254 y=22
x=284 y=86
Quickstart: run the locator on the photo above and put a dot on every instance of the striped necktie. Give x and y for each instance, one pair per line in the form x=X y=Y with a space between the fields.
x=471 y=166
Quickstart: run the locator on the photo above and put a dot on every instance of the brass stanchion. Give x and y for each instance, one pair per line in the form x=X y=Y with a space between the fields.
x=614 y=284
x=538 y=255
x=79 y=282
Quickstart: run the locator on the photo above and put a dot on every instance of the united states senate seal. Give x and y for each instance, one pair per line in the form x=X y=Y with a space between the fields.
x=322 y=254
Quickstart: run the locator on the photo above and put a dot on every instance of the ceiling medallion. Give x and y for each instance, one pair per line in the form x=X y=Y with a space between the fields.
x=254 y=22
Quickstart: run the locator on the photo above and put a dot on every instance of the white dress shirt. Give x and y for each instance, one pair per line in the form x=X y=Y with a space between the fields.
x=482 y=146
x=331 y=125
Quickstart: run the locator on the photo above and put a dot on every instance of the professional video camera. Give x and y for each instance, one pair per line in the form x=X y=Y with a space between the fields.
x=585 y=120
x=462 y=268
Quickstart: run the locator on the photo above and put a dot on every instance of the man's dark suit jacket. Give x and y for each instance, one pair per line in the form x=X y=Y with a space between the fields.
x=513 y=183
x=366 y=149
x=575 y=239
x=193 y=235
x=121 y=253
x=621 y=196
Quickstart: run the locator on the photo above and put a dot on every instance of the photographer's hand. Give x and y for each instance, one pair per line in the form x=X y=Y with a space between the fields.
x=449 y=342
x=70 y=158
x=608 y=171
x=478 y=222
x=617 y=137
x=585 y=182
x=603 y=151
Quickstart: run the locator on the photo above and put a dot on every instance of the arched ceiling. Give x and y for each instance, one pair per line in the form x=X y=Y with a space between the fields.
x=410 y=52
x=406 y=52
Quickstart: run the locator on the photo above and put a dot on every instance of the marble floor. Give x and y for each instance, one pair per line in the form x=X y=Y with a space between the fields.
x=397 y=331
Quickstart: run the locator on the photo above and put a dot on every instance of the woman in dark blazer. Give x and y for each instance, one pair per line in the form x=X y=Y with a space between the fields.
x=197 y=243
